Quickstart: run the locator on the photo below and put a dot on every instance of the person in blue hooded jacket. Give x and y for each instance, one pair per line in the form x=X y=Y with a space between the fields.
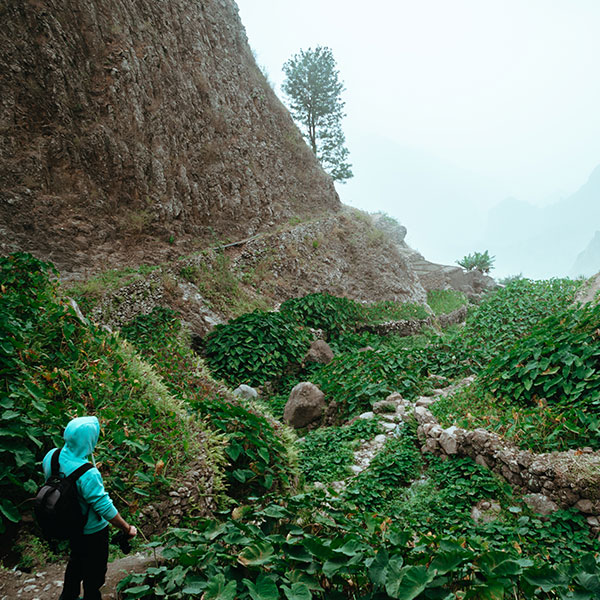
x=89 y=552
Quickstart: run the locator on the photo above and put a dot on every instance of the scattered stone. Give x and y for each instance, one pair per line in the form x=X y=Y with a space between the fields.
x=486 y=511
x=367 y=415
x=319 y=352
x=585 y=506
x=246 y=392
x=540 y=504
x=384 y=406
x=305 y=405
x=448 y=440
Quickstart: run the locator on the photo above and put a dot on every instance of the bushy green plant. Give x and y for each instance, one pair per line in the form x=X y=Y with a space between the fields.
x=332 y=314
x=481 y=261
x=256 y=348
x=557 y=362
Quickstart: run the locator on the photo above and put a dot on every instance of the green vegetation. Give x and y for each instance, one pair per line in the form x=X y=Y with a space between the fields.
x=481 y=261
x=270 y=553
x=402 y=528
x=55 y=368
x=257 y=449
x=326 y=454
x=256 y=348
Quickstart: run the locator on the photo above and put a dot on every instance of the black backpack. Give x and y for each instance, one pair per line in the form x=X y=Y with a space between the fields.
x=56 y=505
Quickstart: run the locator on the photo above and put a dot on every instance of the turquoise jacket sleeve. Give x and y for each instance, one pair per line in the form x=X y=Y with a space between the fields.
x=91 y=489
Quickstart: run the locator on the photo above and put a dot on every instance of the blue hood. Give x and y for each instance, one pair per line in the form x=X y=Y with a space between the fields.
x=81 y=436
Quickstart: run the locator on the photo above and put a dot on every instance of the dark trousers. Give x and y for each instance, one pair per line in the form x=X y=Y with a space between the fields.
x=87 y=563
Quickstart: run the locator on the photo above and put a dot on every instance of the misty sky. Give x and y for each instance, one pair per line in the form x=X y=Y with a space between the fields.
x=451 y=105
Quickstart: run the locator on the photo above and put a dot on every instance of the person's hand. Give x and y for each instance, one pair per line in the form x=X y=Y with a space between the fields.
x=132 y=531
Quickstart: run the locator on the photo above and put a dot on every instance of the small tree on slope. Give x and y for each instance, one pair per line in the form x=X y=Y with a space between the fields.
x=314 y=97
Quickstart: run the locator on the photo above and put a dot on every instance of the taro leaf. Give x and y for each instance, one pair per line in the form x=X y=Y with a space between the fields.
x=316 y=547
x=333 y=565
x=410 y=582
x=10 y=511
x=298 y=591
x=217 y=589
x=379 y=567
x=275 y=511
x=445 y=562
x=138 y=591
x=264 y=588
x=257 y=554
x=589 y=582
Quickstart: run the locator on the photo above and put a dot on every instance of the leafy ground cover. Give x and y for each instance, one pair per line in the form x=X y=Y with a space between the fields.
x=259 y=457
x=443 y=302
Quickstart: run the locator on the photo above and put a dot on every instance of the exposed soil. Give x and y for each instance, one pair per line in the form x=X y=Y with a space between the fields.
x=46 y=583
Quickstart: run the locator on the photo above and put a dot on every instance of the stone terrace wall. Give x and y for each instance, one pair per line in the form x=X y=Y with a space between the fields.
x=550 y=480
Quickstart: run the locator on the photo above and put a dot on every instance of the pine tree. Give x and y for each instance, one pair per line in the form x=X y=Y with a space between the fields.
x=314 y=92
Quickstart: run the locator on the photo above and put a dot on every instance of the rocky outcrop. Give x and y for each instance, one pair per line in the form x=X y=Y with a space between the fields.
x=134 y=128
x=343 y=255
x=589 y=291
x=433 y=276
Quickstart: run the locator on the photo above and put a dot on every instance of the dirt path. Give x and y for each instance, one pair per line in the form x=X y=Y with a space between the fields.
x=46 y=584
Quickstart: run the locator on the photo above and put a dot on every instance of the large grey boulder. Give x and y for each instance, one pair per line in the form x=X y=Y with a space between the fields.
x=319 y=352
x=306 y=405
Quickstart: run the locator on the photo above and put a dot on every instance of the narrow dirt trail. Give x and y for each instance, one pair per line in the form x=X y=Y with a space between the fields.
x=46 y=583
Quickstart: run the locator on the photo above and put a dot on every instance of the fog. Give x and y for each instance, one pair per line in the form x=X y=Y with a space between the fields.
x=453 y=107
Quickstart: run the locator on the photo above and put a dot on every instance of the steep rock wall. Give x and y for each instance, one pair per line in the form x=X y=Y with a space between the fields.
x=130 y=127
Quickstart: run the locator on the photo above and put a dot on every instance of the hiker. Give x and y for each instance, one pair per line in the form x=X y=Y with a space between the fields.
x=89 y=550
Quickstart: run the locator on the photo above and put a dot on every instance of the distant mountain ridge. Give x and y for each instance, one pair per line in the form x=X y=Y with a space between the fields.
x=588 y=261
x=544 y=241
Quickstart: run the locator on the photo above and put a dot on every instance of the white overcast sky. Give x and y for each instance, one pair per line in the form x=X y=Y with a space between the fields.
x=505 y=90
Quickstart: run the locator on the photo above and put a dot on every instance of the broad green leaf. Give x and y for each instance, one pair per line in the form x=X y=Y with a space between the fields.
x=264 y=588
x=298 y=591
x=256 y=554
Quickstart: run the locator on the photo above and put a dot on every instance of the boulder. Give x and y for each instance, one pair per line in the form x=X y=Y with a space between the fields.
x=319 y=352
x=246 y=392
x=305 y=405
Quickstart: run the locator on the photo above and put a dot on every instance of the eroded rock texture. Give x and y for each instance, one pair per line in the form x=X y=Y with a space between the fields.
x=127 y=127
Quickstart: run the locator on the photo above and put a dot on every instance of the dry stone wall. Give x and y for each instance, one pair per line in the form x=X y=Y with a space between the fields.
x=549 y=481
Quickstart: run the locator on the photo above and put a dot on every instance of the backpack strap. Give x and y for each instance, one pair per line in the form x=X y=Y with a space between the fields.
x=79 y=471
x=54 y=464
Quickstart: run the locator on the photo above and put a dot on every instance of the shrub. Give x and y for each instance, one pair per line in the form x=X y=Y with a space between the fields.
x=256 y=348
x=481 y=261
x=332 y=314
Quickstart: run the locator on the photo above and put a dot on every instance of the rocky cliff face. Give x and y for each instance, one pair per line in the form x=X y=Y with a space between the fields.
x=128 y=128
